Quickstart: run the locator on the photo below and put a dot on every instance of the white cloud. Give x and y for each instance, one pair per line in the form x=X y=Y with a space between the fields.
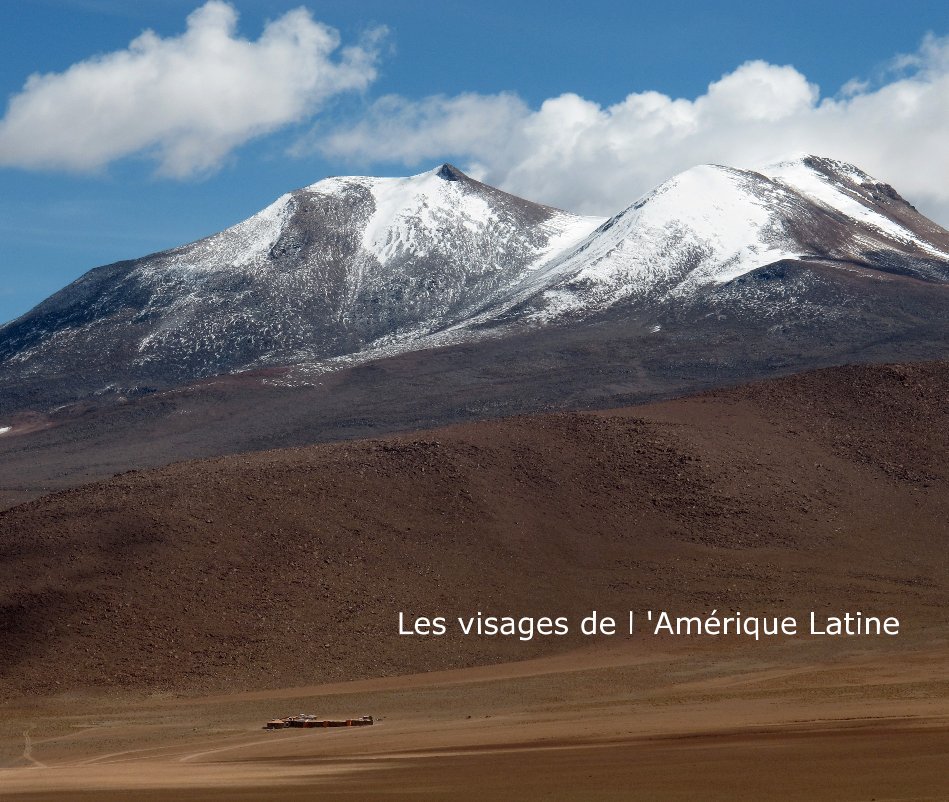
x=575 y=153
x=187 y=100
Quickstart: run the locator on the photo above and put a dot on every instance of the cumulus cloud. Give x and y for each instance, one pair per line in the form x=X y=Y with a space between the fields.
x=187 y=100
x=580 y=155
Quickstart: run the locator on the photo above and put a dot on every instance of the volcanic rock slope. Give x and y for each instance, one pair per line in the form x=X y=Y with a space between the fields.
x=353 y=269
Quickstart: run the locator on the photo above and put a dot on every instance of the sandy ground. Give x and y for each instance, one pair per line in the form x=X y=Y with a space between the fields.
x=679 y=721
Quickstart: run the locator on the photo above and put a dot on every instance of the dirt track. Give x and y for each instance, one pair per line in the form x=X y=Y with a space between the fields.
x=802 y=722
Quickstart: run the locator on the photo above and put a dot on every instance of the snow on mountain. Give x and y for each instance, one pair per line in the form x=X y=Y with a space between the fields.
x=321 y=273
x=712 y=224
x=705 y=225
x=410 y=214
x=838 y=186
x=355 y=267
x=247 y=244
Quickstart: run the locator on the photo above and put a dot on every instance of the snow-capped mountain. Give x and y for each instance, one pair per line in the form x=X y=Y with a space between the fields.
x=321 y=272
x=710 y=225
x=350 y=269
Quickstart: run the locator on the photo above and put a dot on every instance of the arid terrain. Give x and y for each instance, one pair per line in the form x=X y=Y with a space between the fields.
x=685 y=722
x=408 y=487
x=153 y=622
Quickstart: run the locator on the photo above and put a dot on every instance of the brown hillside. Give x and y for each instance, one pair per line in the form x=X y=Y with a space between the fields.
x=823 y=491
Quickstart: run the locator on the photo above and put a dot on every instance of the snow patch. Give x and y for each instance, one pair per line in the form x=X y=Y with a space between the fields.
x=565 y=231
x=703 y=226
x=248 y=243
x=407 y=209
x=816 y=186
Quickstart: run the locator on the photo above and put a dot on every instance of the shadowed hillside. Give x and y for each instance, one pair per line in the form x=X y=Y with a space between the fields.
x=825 y=490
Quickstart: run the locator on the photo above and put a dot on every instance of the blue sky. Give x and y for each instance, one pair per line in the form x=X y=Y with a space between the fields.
x=584 y=105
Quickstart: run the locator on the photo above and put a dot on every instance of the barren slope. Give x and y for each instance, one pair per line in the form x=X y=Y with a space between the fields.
x=608 y=722
x=826 y=490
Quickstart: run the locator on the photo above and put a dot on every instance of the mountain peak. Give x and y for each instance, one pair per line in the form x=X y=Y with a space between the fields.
x=354 y=267
x=449 y=172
